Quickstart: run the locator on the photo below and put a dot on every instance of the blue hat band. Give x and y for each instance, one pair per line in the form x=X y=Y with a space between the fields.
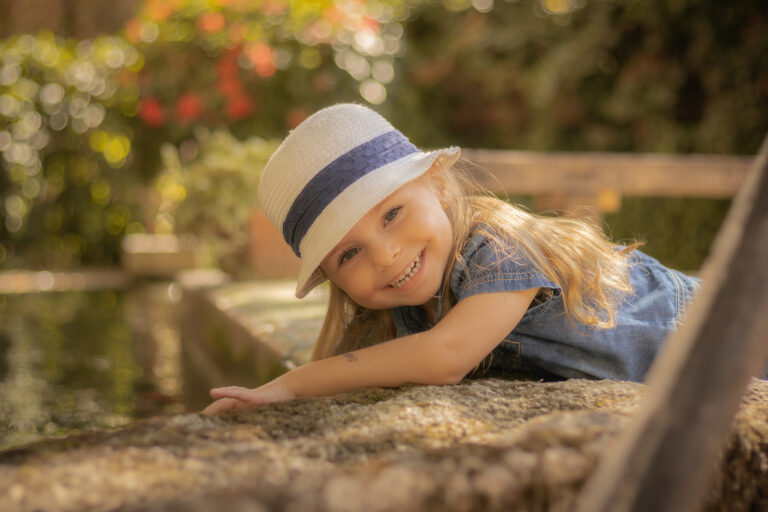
x=334 y=178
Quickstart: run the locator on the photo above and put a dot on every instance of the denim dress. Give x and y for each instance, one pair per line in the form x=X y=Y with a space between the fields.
x=546 y=343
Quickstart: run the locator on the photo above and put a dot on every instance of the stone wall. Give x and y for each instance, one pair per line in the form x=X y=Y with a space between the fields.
x=481 y=445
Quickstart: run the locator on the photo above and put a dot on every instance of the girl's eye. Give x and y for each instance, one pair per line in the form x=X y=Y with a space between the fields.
x=348 y=255
x=390 y=215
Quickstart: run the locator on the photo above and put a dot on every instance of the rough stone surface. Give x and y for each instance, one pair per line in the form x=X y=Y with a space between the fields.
x=481 y=445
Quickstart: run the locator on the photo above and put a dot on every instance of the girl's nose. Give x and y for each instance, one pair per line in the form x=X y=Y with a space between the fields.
x=385 y=253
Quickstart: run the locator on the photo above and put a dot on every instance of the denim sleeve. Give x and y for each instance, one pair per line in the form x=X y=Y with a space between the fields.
x=487 y=268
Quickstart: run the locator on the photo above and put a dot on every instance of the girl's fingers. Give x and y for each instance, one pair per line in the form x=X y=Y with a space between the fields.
x=230 y=391
x=214 y=408
x=236 y=397
x=219 y=406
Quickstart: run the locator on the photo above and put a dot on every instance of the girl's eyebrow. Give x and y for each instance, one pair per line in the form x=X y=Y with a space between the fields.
x=385 y=203
x=393 y=196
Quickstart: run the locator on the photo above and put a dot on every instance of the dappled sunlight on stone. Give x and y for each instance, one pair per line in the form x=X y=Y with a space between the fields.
x=492 y=444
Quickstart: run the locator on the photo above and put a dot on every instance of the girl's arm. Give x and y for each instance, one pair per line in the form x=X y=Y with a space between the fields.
x=441 y=355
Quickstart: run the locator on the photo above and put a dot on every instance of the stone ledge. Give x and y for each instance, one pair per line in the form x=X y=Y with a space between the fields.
x=31 y=281
x=243 y=333
x=481 y=445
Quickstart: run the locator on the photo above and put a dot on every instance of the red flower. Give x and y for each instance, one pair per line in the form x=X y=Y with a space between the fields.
x=274 y=7
x=334 y=15
x=211 y=22
x=263 y=58
x=237 y=32
x=151 y=112
x=189 y=107
x=133 y=31
x=372 y=24
x=227 y=64
x=230 y=87
x=239 y=107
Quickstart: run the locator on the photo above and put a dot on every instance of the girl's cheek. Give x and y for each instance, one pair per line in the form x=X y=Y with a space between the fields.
x=346 y=275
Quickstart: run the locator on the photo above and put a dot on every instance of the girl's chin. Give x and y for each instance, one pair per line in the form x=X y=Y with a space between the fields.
x=419 y=295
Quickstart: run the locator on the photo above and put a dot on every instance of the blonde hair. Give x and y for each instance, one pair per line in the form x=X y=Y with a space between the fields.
x=575 y=254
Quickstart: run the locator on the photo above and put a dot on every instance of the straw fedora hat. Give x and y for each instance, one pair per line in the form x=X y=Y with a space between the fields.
x=329 y=172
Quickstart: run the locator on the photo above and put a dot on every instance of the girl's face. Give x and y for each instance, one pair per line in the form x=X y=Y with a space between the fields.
x=397 y=253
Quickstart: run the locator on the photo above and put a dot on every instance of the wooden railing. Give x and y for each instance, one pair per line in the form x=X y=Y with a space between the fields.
x=665 y=459
x=571 y=181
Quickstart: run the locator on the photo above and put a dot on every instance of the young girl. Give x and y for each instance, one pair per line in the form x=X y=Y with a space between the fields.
x=431 y=280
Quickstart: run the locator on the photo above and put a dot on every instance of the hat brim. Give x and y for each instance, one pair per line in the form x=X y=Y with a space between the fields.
x=350 y=206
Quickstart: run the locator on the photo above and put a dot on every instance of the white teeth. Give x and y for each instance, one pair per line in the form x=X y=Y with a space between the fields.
x=408 y=274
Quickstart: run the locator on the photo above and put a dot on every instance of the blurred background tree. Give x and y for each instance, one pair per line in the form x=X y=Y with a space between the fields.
x=253 y=67
x=65 y=142
x=606 y=75
x=676 y=76
x=208 y=196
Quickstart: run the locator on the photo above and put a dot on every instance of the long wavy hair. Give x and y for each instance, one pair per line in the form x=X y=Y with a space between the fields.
x=575 y=254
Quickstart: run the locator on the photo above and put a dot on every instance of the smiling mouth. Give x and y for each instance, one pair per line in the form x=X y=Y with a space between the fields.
x=408 y=274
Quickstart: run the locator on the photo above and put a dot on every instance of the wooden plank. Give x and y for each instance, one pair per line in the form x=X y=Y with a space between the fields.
x=576 y=205
x=524 y=172
x=665 y=460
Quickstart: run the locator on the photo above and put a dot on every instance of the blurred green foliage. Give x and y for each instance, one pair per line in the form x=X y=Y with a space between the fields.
x=82 y=122
x=65 y=144
x=208 y=189
x=677 y=231
x=677 y=76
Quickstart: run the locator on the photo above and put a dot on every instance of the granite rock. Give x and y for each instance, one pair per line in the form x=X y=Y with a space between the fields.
x=487 y=444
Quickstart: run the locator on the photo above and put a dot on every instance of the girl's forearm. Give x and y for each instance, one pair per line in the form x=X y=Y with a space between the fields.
x=441 y=355
x=411 y=359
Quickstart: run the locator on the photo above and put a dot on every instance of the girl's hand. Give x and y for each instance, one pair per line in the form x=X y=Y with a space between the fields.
x=235 y=397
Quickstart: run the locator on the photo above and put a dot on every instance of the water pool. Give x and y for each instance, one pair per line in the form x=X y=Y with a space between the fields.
x=87 y=360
